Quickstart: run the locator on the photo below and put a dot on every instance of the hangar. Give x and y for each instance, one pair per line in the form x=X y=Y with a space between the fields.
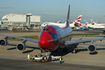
x=20 y=19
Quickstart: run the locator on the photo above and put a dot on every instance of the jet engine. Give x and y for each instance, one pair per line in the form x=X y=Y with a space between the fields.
x=21 y=46
x=91 y=48
x=3 y=42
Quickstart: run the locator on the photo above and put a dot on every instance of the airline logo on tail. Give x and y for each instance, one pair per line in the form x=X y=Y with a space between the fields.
x=58 y=21
x=77 y=21
x=86 y=22
x=92 y=22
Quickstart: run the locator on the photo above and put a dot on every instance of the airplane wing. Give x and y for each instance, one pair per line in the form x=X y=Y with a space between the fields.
x=27 y=39
x=82 y=41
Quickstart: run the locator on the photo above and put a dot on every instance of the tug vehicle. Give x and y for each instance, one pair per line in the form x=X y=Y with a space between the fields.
x=44 y=58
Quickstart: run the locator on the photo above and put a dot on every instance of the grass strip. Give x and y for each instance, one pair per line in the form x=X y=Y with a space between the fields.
x=33 y=37
x=24 y=31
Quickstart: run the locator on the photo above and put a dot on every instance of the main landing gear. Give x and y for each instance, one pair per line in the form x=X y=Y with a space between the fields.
x=74 y=50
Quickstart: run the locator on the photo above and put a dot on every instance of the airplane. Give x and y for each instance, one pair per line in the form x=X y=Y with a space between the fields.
x=53 y=37
x=76 y=23
x=52 y=23
x=81 y=25
x=87 y=24
x=94 y=25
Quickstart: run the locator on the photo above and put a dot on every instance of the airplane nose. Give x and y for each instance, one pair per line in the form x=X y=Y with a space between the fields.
x=45 y=45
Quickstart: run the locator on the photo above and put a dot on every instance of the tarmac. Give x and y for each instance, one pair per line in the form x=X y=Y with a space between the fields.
x=11 y=64
x=81 y=60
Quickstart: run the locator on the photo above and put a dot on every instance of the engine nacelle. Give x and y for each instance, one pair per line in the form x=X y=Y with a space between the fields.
x=91 y=48
x=3 y=42
x=21 y=46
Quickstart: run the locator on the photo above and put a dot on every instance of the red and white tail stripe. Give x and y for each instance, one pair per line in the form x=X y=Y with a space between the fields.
x=77 y=21
x=92 y=22
x=86 y=22
x=58 y=21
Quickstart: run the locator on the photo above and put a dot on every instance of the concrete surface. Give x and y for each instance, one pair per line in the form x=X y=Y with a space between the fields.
x=81 y=58
x=10 y=64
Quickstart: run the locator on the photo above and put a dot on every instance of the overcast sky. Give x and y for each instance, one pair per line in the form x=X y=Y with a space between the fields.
x=54 y=10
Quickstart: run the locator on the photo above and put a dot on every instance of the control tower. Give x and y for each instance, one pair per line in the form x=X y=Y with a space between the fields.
x=28 y=19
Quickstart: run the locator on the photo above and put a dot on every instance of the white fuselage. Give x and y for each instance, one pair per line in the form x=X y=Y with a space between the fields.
x=57 y=24
x=95 y=26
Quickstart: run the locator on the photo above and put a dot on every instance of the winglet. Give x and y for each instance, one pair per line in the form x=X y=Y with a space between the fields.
x=67 y=22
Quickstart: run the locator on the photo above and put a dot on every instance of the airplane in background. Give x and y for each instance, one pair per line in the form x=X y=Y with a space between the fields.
x=94 y=25
x=87 y=24
x=81 y=25
x=53 y=37
x=52 y=23
x=76 y=23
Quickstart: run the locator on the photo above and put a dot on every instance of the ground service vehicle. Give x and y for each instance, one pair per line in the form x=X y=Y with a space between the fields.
x=44 y=58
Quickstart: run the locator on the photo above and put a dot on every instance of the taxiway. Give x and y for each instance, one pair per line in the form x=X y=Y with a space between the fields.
x=11 y=58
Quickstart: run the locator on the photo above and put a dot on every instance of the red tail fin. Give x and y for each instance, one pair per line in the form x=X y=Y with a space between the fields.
x=79 y=17
x=58 y=21
x=86 y=22
x=78 y=20
x=92 y=22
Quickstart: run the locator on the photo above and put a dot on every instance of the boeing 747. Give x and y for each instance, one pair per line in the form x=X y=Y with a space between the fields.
x=53 y=37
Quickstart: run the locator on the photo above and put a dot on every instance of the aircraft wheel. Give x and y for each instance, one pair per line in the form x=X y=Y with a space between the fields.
x=72 y=51
x=41 y=51
x=75 y=51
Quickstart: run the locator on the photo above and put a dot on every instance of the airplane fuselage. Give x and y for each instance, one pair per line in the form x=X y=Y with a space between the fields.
x=52 y=37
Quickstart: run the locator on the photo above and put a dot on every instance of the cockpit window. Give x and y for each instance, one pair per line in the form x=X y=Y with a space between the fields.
x=45 y=29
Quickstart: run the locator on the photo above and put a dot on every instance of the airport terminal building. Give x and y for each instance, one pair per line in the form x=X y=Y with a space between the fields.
x=20 y=19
